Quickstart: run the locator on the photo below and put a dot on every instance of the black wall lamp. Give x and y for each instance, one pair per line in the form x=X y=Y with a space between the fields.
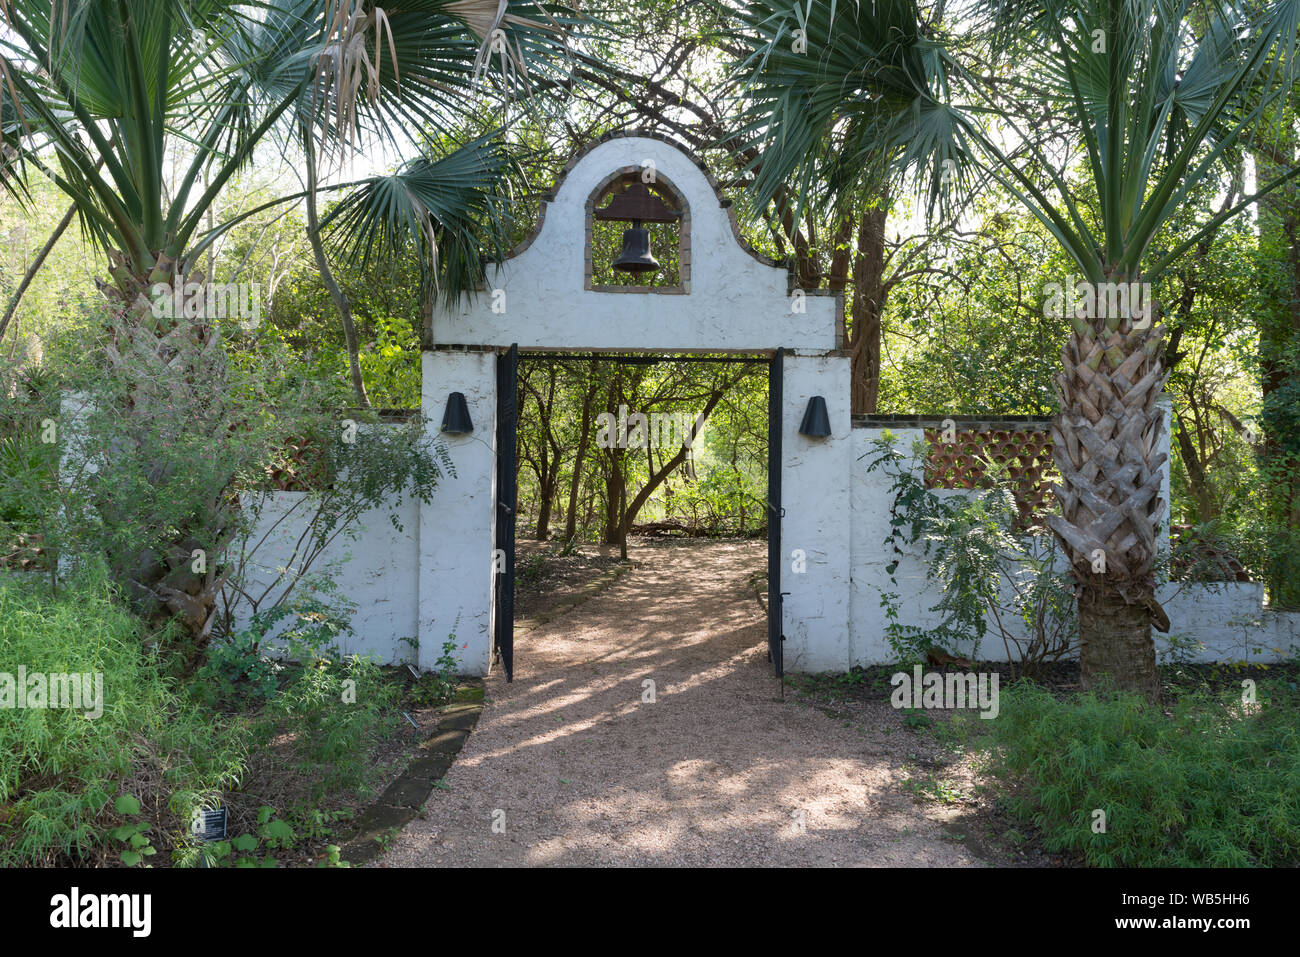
x=816 y=422
x=456 y=421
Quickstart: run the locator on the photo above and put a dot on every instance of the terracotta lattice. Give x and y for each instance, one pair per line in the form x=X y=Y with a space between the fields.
x=1025 y=454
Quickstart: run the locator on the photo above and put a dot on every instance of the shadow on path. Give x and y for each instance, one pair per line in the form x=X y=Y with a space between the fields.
x=576 y=768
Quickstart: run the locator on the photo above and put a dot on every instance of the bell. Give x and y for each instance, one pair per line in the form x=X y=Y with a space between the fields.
x=636 y=257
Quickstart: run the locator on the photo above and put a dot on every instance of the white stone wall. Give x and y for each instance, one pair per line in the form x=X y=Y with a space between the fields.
x=1220 y=622
x=736 y=302
x=376 y=568
x=457 y=527
x=1228 y=622
x=437 y=578
x=815 y=527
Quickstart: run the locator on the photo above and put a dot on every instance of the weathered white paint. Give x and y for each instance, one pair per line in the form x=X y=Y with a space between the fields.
x=732 y=301
x=1227 y=620
x=815 y=526
x=437 y=579
x=374 y=564
x=438 y=570
x=736 y=302
x=457 y=526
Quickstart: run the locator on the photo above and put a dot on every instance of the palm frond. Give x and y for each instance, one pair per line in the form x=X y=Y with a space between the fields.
x=449 y=211
x=838 y=92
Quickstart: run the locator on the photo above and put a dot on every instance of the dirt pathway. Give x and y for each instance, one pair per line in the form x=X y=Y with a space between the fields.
x=575 y=768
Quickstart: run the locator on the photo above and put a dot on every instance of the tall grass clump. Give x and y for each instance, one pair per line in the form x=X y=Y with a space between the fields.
x=1215 y=783
x=62 y=770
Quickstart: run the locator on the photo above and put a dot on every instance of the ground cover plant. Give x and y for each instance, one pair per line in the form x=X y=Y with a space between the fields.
x=1214 y=781
x=288 y=746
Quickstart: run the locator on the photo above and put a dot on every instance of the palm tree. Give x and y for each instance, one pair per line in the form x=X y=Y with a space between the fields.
x=1147 y=98
x=104 y=97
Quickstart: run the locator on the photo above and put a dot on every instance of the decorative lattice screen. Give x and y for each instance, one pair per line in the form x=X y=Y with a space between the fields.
x=1025 y=453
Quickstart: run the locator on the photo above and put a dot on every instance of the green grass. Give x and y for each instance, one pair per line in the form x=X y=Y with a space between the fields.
x=1213 y=784
x=162 y=747
x=61 y=770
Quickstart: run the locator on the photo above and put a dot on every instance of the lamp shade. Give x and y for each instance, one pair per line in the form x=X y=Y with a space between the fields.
x=816 y=420
x=456 y=421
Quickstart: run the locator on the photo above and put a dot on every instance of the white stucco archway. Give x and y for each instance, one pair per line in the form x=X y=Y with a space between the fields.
x=731 y=299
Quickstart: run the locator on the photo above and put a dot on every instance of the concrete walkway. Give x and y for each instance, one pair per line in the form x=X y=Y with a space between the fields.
x=570 y=765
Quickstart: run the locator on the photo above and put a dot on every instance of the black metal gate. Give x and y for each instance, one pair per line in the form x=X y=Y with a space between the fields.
x=503 y=639
x=774 y=513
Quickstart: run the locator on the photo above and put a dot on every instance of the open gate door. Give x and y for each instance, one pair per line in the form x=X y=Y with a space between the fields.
x=774 y=514
x=503 y=638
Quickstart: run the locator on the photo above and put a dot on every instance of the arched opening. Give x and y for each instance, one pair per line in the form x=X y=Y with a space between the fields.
x=669 y=242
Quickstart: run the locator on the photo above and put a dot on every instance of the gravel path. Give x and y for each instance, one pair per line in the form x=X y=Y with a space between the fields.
x=575 y=769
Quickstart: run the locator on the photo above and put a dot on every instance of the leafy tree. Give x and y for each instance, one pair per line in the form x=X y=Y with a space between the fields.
x=1155 y=95
x=102 y=97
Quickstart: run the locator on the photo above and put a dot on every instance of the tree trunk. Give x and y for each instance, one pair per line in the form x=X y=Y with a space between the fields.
x=613 y=497
x=327 y=277
x=1197 y=479
x=34 y=268
x=173 y=364
x=1115 y=646
x=867 y=305
x=571 y=521
x=657 y=477
x=1104 y=442
x=1279 y=339
x=544 y=513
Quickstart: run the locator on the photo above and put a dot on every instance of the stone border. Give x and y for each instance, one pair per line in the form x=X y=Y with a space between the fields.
x=403 y=800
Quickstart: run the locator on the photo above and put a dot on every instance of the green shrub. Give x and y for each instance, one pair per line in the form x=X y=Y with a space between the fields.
x=438 y=685
x=335 y=712
x=241 y=669
x=122 y=787
x=61 y=770
x=1214 y=784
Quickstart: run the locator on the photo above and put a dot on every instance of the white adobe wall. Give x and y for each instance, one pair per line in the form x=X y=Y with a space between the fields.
x=457 y=527
x=1228 y=619
x=1228 y=622
x=735 y=301
x=871 y=500
x=816 y=527
x=375 y=569
x=731 y=300
x=434 y=579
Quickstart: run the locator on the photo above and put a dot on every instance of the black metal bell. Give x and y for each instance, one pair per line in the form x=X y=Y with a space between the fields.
x=636 y=256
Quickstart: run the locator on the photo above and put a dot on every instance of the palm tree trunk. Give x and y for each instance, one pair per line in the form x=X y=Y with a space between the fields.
x=176 y=364
x=1115 y=646
x=1106 y=445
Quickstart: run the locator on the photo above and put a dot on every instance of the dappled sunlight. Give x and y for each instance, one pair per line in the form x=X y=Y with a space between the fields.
x=578 y=763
